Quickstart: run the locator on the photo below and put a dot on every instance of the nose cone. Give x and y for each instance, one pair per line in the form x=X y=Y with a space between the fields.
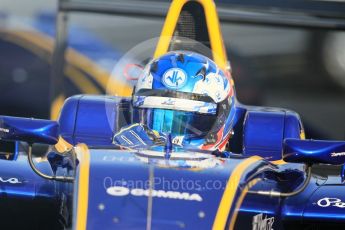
x=126 y=192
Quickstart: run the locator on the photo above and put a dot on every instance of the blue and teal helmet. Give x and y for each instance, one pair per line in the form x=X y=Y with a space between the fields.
x=187 y=95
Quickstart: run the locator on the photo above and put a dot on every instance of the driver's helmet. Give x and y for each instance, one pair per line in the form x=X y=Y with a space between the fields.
x=188 y=96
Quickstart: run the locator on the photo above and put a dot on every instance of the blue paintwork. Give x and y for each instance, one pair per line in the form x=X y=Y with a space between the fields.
x=110 y=168
x=285 y=211
x=291 y=212
x=29 y=130
x=261 y=137
x=22 y=192
x=253 y=204
x=30 y=185
x=314 y=151
x=95 y=119
x=314 y=212
x=266 y=128
x=91 y=120
x=293 y=125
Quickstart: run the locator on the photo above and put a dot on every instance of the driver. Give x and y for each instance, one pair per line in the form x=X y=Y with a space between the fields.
x=183 y=95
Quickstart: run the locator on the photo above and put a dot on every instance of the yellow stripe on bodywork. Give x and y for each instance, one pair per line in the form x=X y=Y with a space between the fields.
x=83 y=186
x=169 y=27
x=213 y=27
x=230 y=192
x=215 y=34
x=240 y=201
x=56 y=107
x=63 y=146
x=302 y=135
x=278 y=162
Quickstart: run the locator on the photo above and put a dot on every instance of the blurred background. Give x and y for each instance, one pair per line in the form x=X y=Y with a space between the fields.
x=299 y=69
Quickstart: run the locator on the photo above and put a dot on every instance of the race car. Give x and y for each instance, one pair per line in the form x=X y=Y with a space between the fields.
x=180 y=153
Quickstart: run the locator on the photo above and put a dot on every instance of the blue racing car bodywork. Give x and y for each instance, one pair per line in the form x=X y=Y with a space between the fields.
x=116 y=188
x=83 y=180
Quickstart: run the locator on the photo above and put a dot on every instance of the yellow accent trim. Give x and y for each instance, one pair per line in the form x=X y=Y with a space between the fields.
x=302 y=135
x=63 y=146
x=83 y=186
x=213 y=27
x=169 y=27
x=156 y=133
x=230 y=191
x=240 y=201
x=278 y=162
x=232 y=82
x=215 y=34
x=56 y=107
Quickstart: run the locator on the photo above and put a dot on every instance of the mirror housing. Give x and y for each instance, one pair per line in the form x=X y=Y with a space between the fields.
x=314 y=151
x=29 y=130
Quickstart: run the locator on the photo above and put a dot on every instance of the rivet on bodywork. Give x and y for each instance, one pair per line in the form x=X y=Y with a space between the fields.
x=101 y=207
x=201 y=214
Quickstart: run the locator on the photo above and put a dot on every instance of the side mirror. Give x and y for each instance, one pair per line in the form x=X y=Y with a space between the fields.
x=314 y=151
x=29 y=130
x=33 y=131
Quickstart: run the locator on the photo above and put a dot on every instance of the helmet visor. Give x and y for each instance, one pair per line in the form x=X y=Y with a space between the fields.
x=179 y=123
